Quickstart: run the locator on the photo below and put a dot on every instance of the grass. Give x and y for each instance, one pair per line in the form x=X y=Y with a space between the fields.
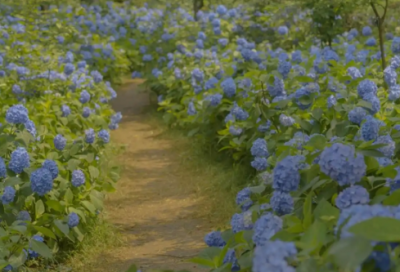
x=212 y=175
x=102 y=236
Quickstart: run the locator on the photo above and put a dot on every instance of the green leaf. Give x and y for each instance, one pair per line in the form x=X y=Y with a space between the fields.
x=383 y=229
x=304 y=79
x=315 y=235
x=317 y=141
x=55 y=205
x=89 y=206
x=94 y=172
x=202 y=261
x=325 y=209
x=307 y=214
x=62 y=227
x=41 y=248
x=393 y=199
x=39 y=208
x=69 y=196
x=307 y=266
x=45 y=231
x=349 y=253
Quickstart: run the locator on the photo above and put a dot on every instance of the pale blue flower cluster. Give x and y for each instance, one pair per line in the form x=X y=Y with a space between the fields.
x=342 y=164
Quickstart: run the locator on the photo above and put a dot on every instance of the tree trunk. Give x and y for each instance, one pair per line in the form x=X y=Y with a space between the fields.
x=197 y=5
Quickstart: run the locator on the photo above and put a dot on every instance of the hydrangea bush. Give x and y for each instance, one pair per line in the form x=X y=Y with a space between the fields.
x=319 y=125
x=54 y=160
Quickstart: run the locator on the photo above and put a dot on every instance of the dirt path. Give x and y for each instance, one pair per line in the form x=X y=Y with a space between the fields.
x=159 y=218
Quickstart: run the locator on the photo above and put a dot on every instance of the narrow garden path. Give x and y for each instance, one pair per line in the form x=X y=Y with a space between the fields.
x=158 y=215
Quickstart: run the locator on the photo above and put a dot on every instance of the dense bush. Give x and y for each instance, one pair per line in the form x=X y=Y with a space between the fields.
x=319 y=123
x=54 y=137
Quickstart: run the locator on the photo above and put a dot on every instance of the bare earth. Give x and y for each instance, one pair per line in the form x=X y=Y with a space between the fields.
x=159 y=217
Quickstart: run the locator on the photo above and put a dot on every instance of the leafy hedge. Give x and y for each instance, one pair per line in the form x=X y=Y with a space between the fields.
x=54 y=140
x=319 y=124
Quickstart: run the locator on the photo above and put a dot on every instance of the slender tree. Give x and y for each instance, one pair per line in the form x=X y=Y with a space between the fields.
x=380 y=19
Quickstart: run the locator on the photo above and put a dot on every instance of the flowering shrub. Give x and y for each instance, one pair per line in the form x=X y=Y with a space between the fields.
x=320 y=125
x=54 y=133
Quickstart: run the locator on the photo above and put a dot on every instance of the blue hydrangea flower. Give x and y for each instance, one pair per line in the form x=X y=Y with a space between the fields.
x=259 y=148
x=78 y=178
x=69 y=69
x=265 y=228
x=24 y=216
x=283 y=30
x=278 y=89
x=282 y=203
x=19 y=160
x=191 y=109
x=235 y=131
x=223 y=42
x=366 y=87
x=299 y=139
x=370 y=129
x=331 y=101
x=214 y=239
x=97 y=77
x=243 y=199
x=104 y=136
x=286 y=121
x=230 y=257
x=89 y=136
x=73 y=220
x=239 y=113
x=264 y=127
x=32 y=253
x=86 y=112
x=3 y=170
x=41 y=181
x=241 y=221
x=260 y=164
x=296 y=56
x=215 y=99
x=8 y=195
x=375 y=103
x=85 y=97
x=387 y=150
x=229 y=87
x=357 y=115
x=17 y=114
x=221 y=10
x=341 y=163
x=284 y=68
x=396 y=45
x=65 y=110
x=370 y=42
x=59 y=142
x=273 y=256
x=52 y=167
x=354 y=72
x=286 y=174
x=394 y=93
x=30 y=127
x=8 y=268
x=390 y=76
x=198 y=75
x=366 y=31
x=16 y=89
x=395 y=62
x=352 y=195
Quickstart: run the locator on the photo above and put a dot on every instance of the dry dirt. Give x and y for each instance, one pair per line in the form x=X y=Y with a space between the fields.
x=156 y=212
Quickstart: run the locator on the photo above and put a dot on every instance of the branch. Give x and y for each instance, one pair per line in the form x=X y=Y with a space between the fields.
x=375 y=10
x=385 y=11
